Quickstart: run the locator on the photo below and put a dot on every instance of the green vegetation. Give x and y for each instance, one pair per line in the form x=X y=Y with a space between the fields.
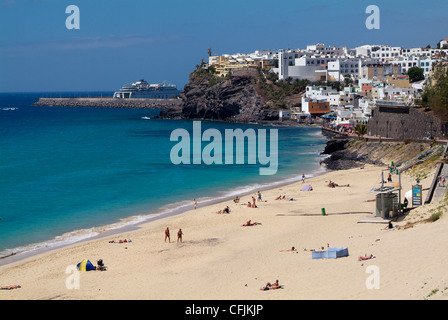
x=438 y=212
x=415 y=74
x=209 y=73
x=432 y=293
x=435 y=95
x=360 y=129
x=278 y=90
x=275 y=91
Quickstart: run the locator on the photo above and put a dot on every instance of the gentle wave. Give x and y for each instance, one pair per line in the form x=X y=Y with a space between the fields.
x=169 y=209
x=77 y=236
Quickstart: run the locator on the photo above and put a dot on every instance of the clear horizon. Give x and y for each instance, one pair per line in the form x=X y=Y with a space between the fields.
x=120 y=42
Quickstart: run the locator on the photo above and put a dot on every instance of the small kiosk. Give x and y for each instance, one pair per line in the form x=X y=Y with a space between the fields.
x=388 y=198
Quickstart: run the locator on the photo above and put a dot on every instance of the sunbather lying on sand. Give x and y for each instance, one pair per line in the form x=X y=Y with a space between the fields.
x=11 y=287
x=273 y=286
x=249 y=223
x=366 y=257
x=292 y=249
x=332 y=184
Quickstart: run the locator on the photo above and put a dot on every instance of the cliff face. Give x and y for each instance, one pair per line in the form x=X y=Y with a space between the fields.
x=233 y=99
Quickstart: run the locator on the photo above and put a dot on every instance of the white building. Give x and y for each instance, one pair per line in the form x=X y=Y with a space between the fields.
x=284 y=114
x=384 y=53
x=366 y=50
x=341 y=67
x=317 y=92
x=340 y=99
x=444 y=43
x=299 y=66
x=407 y=62
x=321 y=49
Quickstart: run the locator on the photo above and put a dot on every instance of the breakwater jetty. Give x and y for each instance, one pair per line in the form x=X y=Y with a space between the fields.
x=109 y=102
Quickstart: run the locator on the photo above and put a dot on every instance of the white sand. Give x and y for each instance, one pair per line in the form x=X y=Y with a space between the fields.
x=221 y=260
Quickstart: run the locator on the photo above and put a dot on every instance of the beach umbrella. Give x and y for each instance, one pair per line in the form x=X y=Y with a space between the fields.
x=307 y=187
x=408 y=194
x=85 y=265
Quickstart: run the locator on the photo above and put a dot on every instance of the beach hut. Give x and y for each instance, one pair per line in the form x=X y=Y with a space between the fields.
x=85 y=265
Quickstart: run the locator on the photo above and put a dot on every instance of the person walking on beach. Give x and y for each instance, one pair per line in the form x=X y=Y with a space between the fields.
x=179 y=235
x=303 y=178
x=259 y=196
x=195 y=203
x=167 y=234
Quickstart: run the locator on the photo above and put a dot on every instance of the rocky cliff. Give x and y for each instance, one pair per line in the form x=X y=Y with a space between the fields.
x=235 y=98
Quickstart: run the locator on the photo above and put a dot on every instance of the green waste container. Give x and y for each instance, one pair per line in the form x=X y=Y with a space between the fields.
x=323 y=211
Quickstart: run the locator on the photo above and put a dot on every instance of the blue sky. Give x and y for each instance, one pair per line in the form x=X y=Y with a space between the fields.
x=121 y=41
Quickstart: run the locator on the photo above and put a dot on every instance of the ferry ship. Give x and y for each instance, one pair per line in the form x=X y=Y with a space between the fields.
x=141 y=89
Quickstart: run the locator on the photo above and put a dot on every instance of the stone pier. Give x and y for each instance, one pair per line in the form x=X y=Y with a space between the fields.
x=110 y=103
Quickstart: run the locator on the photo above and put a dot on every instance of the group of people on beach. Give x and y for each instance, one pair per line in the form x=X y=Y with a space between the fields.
x=179 y=235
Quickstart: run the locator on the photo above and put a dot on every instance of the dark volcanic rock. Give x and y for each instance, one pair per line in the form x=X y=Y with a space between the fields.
x=340 y=158
x=334 y=145
x=234 y=99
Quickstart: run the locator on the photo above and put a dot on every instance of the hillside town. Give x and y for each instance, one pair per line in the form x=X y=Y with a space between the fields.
x=368 y=75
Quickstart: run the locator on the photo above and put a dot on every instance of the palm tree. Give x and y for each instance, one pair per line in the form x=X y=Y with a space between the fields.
x=360 y=129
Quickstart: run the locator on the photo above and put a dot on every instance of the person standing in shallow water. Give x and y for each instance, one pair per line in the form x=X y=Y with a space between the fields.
x=195 y=203
x=167 y=234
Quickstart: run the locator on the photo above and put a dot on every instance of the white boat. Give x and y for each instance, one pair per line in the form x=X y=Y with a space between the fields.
x=143 y=90
x=146 y=118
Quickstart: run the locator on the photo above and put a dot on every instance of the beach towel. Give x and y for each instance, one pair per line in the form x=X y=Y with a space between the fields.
x=307 y=188
x=272 y=288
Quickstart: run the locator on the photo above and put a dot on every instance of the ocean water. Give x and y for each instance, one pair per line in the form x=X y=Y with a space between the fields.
x=68 y=174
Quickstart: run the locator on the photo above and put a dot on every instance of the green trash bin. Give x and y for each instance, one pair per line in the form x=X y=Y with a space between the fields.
x=323 y=211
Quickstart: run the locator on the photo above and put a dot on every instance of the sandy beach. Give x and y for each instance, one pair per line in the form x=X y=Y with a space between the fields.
x=219 y=259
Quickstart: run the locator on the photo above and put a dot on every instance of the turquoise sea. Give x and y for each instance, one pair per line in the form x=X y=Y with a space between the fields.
x=68 y=174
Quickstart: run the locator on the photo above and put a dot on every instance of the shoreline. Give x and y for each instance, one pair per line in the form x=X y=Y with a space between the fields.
x=134 y=222
x=220 y=260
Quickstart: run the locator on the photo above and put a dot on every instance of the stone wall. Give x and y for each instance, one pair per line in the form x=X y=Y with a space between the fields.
x=109 y=103
x=403 y=122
